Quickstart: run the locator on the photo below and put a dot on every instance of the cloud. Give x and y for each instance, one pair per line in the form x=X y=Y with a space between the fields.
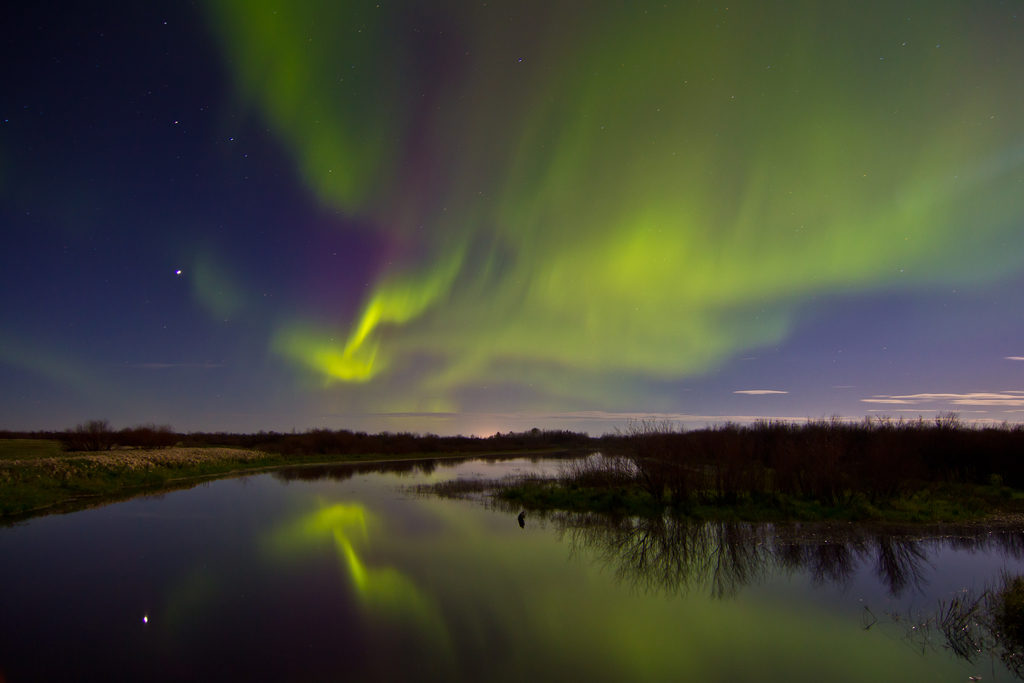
x=426 y=414
x=964 y=399
x=166 y=366
x=954 y=397
x=759 y=392
x=680 y=417
x=1014 y=357
x=1005 y=399
x=887 y=401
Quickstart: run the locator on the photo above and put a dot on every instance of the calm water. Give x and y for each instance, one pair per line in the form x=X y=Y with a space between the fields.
x=352 y=576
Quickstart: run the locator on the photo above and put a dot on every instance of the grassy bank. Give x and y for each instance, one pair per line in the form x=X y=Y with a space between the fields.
x=51 y=480
x=949 y=503
x=36 y=477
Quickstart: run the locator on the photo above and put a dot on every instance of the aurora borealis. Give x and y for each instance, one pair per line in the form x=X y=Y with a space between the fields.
x=469 y=217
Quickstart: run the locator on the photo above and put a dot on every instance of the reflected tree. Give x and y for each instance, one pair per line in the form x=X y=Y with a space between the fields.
x=975 y=625
x=899 y=563
x=671 y=555
x=346 y=470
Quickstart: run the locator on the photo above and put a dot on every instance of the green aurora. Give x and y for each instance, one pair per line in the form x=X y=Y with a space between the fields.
x=587 y=198
x=515 y=590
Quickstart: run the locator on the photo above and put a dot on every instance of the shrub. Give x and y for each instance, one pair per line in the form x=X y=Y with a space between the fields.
x=94 y=435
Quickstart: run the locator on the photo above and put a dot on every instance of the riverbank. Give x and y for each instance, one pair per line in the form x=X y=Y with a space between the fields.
x=36 y=478
x=612 y=487
x=952 y=503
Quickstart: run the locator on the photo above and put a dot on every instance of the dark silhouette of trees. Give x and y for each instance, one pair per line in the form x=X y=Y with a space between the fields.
x=98 y=435
x=832 y=461
x=94 y=435
x=147 y=436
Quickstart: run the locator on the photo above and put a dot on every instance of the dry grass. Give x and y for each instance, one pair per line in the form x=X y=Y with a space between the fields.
x=78 y=464
x=31 y=486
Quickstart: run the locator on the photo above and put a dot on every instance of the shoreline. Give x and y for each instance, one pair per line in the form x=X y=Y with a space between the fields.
x=59 y=484
x=929 y=504
x=68 y=482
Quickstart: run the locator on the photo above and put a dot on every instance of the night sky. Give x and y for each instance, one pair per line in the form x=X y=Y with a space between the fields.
x=464 y=217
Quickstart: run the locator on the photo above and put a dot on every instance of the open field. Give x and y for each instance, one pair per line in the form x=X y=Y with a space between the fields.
x=28 y=449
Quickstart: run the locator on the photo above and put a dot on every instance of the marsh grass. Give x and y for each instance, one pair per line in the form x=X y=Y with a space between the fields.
x=462 y=488
x=592 y=483
x=907 y=471
x=973 y=625
x=826 y=470
x=621 y=485
x=635 y=500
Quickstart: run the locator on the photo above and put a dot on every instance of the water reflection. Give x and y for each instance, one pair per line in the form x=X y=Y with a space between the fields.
x=672 y=555
x=489 y=467
x=344 y=471
x=972 y=625
x=255 y=580
x=385 y=592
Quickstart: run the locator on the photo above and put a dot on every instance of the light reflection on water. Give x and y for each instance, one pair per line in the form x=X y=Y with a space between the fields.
x=339 y=572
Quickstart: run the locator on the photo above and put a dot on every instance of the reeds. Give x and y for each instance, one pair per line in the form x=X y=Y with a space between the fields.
x=832 y=461
x=973 y=625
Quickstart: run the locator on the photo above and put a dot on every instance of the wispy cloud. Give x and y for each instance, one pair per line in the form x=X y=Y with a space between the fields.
x=602 y=416
x=759 y=392
x=996 y=399
x=888 y=401
x=429 y=414
x=957 y=397
x=166 y=366
x=1013 y=357
x=679 y=417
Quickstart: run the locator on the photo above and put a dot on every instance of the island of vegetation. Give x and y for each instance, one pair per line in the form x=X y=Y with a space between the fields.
x=825 y=470
x=939 y=470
